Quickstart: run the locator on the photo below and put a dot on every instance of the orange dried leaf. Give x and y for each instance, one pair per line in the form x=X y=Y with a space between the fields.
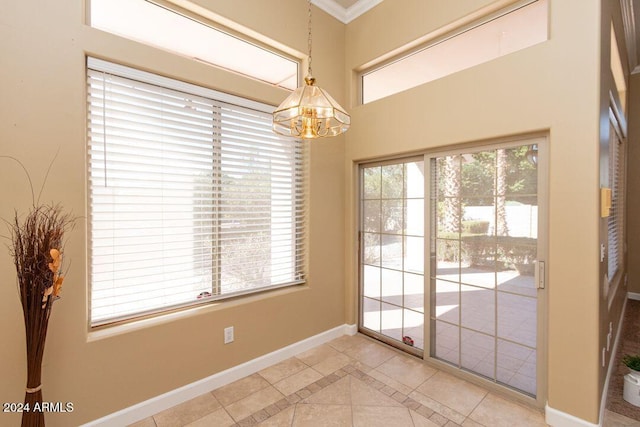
x=57 y=286
x=56 y=257
x=48 y=291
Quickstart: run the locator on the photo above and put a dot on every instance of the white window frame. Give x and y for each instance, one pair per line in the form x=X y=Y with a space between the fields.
x=195 y=37
x=414 y=66
x=293 y=199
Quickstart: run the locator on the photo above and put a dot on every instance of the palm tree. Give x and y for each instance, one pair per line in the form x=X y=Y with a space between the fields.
x=501 y=190
x=452 y=180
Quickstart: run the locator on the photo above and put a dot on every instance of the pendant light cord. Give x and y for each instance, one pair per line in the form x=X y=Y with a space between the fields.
x=309 y=42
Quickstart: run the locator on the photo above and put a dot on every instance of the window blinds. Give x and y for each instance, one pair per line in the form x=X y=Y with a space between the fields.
x=192 y=197
x=615 y=225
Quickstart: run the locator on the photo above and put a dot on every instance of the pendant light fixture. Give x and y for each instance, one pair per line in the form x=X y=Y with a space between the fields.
x=310 y=112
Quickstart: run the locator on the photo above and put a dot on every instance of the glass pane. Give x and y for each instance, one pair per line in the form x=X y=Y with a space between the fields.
x=448 y=259
x=371 y=281
x=483 y=250
x=447 y=301
x=391 y=251
x=478 y=177
x=414 y=217
x=478 y=277
x=517 y=318
x=478 y=309
x=371 y=249
x=522 y=177
x=509 y=279
x=479 y=264
x=392 y=286
x=371 y=216
x=414 y=254
x=449 y=215
x=392 y=216
x=478 y=220
x=478 y=353
x=414 y=328
x=391 y=321
x=447 y=342
x=372 y=183
x=522 y=216
x=517 y=30
x=449 y=175
x=414 y=292
x=516 y=263
x=146 y=22
x=371 y=314
x=517 y=366
x=392 y=181
x=414 y=179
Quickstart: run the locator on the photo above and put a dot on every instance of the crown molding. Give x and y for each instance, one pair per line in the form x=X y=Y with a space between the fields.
x=346 y=15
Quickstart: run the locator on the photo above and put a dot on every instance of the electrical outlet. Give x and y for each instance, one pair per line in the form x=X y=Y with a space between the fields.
x=228 y=335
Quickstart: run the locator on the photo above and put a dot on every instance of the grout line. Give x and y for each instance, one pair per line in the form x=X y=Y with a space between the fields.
x=299 y=396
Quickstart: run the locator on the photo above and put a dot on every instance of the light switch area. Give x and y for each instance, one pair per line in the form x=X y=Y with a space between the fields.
x=228 y=335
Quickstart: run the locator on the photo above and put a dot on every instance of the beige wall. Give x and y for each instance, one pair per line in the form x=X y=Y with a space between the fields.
x=611 y=300
x=42 y=110
x=551 y=87
x=633 y=186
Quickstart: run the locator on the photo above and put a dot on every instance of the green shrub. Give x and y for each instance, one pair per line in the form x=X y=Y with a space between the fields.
x=632 y=362
x=475 y=227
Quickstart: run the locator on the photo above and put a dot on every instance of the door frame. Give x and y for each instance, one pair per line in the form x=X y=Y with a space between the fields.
x=360 y=266
x=542 y=141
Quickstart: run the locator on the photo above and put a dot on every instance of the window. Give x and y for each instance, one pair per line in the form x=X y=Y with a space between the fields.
x=192 y=197
x=615 y=225
x=618 y=71
x=147 y=23
x=505 y=34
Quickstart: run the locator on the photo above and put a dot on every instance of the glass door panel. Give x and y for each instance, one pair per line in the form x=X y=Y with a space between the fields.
x=392 y=253
x=484 y=217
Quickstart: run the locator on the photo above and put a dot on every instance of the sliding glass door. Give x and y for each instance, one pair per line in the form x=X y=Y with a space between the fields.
x=484 y=290
x=392 y=253
x=478 y=269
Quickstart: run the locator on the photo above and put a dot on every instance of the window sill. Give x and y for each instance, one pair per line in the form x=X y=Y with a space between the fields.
x=127 y=326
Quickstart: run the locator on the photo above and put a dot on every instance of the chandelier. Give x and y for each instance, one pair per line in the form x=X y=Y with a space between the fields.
x=310 y=112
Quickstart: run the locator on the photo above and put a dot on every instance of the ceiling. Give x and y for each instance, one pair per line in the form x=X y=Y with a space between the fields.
x=345 y=10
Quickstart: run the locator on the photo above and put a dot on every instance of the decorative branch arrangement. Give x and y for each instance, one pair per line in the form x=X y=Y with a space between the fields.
x=37 y=243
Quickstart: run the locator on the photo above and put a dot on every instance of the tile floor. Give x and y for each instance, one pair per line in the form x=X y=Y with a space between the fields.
x=350 y=381
x=612 y=419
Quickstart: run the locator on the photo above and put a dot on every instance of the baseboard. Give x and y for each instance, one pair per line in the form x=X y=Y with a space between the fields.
x=167 y=400
x=556 y=418
x=614 y=351
x=633 y=295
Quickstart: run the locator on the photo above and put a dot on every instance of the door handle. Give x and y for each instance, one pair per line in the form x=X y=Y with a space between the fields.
x=540 y=274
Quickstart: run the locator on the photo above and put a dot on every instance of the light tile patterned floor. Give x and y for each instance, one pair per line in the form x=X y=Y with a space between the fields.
x=351 y=381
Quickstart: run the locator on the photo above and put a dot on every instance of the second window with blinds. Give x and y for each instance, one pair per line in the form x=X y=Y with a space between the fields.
x=192 y=197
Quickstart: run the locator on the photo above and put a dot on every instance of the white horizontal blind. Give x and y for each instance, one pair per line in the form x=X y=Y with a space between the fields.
x=191 y=198
x=615 y=225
